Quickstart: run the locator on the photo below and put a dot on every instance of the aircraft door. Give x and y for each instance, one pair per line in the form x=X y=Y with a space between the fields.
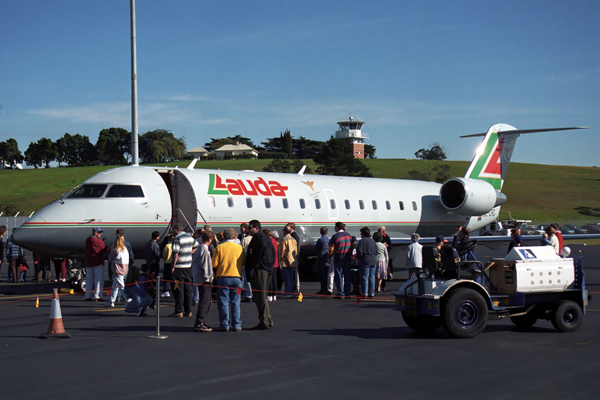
x=184 y=201
x=332 y=204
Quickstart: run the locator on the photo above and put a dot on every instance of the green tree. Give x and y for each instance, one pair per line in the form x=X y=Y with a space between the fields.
x=370 y=151
x=307 y=148
x=436 y=152
x=9 y=209
x=10 y=153
x=301 y=148
x=114 y=146
x=336 y=158
x=297 y=166
x=41 y=152
x=76 y=150
x=160 y=146
x=288 y=145
x=33 y=155
x=278 y=165
x=437 y=173
x=274 y=144
x=214 y=144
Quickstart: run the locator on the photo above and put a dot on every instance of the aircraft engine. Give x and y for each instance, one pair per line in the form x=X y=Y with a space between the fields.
x=470 y=197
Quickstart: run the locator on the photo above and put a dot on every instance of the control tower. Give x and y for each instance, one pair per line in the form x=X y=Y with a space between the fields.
x=350 y=132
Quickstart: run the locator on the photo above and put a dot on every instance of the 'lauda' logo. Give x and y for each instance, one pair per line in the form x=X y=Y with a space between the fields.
x=237 y=187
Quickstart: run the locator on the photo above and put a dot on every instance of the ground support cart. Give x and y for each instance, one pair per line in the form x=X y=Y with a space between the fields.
x=530 y=283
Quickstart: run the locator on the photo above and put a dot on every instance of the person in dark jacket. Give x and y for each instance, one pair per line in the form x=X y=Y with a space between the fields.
x=322 y=250
x=152 y=253
x=366 y=253
x=260 y=257
x=3 y=230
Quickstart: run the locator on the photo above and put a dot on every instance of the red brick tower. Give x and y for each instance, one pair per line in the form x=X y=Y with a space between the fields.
x=350 y=132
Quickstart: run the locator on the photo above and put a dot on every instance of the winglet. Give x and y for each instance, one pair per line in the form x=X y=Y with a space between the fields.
x=192 y=164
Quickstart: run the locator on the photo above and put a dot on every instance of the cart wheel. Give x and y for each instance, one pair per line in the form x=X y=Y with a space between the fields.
x=465 y=313
x=421 y=323
x=567 y=316
x=524 y=321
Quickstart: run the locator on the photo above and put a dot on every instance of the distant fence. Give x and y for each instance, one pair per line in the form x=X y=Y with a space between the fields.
x=12 y=222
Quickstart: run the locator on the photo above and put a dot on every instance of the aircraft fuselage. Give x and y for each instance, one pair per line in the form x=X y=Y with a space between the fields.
x=145 y=199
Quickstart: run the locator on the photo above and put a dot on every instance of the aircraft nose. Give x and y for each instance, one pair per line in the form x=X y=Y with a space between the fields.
x=27 y=238
x=41 y=240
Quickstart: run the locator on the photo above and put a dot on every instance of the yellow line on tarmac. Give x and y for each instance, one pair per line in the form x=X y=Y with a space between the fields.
x=109 y=309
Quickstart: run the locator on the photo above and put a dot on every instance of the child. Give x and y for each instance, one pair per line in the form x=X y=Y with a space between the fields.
x=545 y=241
x=135 y=288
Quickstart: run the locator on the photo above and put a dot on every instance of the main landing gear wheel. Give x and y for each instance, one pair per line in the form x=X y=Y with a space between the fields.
x=423 y=324
x=524 y=321
x=465 y=313
x=567 y=316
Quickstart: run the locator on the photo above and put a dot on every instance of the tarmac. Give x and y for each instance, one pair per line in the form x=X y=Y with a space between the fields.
x=319 y=347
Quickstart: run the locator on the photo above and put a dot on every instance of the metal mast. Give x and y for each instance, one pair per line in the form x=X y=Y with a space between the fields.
x=134 y=111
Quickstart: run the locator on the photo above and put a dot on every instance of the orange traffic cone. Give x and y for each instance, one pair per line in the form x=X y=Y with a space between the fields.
x=56 y=328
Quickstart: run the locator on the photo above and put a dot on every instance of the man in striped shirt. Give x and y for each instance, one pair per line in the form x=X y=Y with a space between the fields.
x=339 y=250
x=183 y=247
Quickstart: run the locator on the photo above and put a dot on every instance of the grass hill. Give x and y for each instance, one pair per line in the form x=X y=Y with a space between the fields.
x=537 y=192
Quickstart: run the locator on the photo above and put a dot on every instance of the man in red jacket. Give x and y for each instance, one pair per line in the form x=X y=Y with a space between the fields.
x=95 y=250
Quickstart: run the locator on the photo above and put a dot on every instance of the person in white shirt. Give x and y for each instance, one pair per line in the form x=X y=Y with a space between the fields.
x=414 y=256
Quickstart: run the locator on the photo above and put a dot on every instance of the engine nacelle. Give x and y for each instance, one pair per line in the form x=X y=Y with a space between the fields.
x=470 y=197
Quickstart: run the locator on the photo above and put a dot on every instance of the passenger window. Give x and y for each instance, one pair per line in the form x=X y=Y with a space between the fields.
x=125 y=191
x=361 y=204
x=401 y=205
x=88 y=192
x=332 y=204
x=388 y=205
x=414 y=205
x=374 y=203
x=267 y=202
x=302 y=204
x=347 y=203
x=211 y=202
x=285 y=203
x=230 y=201
x=249 y=202
x=317 y=204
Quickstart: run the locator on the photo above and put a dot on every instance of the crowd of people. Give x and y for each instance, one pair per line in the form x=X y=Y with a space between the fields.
x=254 y=265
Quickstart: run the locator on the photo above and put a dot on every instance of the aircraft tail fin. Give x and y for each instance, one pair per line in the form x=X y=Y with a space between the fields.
x=493 y=155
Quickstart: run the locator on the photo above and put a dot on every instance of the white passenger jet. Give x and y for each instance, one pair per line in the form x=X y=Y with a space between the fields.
x=144 y=199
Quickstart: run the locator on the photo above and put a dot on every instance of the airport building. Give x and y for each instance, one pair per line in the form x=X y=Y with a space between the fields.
x=350 y=132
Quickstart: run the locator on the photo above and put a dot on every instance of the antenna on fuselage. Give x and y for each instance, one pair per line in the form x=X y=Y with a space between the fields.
x=134 y=111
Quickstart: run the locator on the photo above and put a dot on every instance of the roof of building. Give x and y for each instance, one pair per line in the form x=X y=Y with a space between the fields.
x=197 y=149
x=235 y=147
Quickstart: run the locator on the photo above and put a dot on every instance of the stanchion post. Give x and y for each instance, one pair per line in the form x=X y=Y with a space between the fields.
x=157 y=335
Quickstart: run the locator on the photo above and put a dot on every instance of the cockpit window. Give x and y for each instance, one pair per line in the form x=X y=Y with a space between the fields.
x=125 y=191
x=88 y=192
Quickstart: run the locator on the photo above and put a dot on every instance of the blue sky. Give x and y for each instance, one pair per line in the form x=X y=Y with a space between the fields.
x=417 y=72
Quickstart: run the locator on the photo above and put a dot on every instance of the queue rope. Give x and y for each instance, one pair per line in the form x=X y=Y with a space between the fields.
x=29 y=297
